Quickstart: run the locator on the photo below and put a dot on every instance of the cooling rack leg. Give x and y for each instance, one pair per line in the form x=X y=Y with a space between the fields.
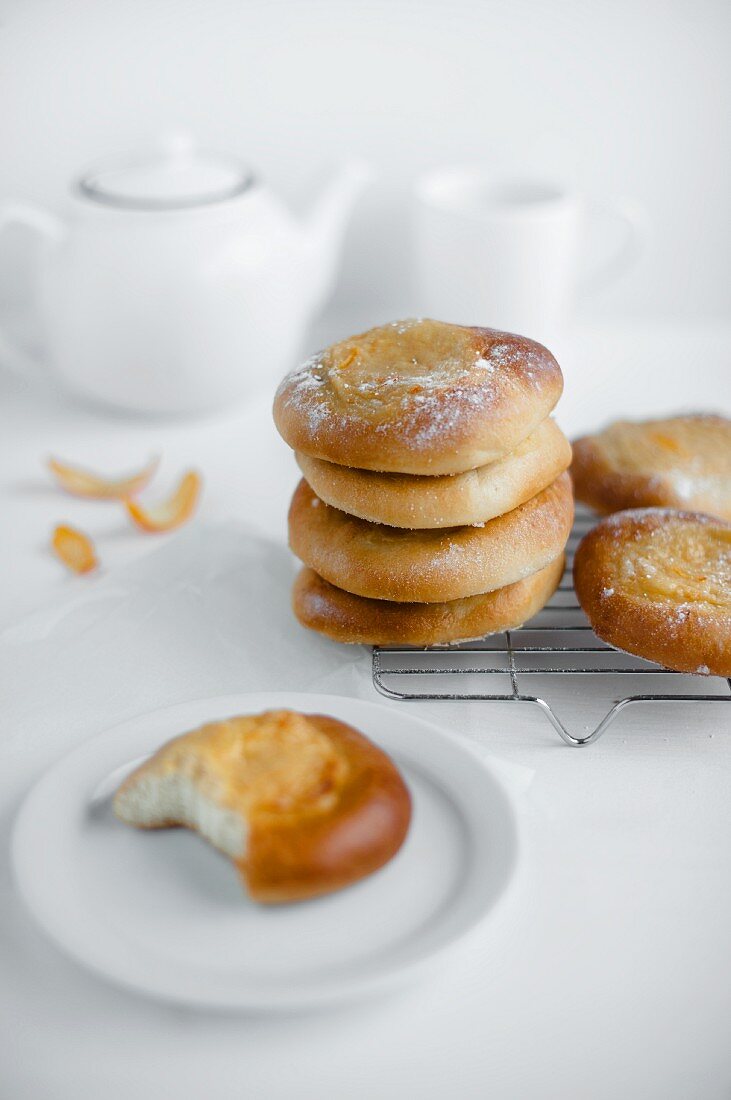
x=380 y=674
x=595 y=734
x=589 y=738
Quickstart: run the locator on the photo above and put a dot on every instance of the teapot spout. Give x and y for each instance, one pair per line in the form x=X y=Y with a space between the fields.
x=327 y=224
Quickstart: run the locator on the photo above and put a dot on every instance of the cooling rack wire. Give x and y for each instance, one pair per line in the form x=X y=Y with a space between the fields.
x=555 y=656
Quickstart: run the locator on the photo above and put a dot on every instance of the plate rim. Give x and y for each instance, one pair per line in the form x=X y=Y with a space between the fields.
x=320 y=993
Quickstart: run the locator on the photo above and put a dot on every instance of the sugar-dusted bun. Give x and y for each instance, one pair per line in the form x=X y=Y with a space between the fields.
x=657 y=583
x=681 y=462
x=418 y=397
x=392 y=563
x=348 y=618
x=451 y=500
x=301 y=803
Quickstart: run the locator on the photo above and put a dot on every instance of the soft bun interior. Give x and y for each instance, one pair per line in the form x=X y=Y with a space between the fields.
x=156 y=801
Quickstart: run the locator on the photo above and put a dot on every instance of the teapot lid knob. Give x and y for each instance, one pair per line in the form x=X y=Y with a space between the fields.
x=178 y=144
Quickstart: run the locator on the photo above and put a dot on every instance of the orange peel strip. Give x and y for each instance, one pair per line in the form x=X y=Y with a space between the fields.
x=171 y=513
x=84 y=483
x=74 y=549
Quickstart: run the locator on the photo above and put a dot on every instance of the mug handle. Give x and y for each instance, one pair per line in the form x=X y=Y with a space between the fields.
x=631 y=218
x=50 y=229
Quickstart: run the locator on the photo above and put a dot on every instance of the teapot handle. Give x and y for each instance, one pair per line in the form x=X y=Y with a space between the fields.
x=51 y=229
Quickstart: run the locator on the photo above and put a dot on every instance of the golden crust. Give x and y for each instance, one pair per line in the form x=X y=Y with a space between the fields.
x=313 y=827
x=657 y=583
x=327 y=852
x=392 y=563
x=680 y=462
x=418 y=397
x=344 y=617
x=452 y=500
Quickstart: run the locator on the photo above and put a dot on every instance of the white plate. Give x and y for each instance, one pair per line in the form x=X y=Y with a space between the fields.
x=164 y=914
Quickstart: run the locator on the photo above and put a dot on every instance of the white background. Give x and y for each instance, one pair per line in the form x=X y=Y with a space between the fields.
x=622 y=98
x=606 y=973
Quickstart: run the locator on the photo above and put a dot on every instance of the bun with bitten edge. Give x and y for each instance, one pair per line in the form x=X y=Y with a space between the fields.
x=302 y=804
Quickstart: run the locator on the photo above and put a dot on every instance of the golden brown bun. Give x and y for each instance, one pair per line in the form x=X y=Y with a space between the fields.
x=418 y=397
x=392 y=563
x=348 y=618
x=657 y=583
x=682 y=462
x=302 y=804
x=452 y=500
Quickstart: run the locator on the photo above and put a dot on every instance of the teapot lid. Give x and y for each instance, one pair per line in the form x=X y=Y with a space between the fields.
x=175 y=176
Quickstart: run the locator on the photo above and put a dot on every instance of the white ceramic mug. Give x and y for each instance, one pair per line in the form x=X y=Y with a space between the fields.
x=508 y=255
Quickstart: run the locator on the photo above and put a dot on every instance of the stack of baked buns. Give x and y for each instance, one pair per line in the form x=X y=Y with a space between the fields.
x=435 y=504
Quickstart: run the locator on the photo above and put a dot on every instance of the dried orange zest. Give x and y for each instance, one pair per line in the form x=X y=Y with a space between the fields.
x=83 y=483
x=171 y=513
x=668 y=443
x=350 y=358
x=74 y=549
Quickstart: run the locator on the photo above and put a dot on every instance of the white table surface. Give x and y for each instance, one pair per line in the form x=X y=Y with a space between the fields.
x=604 y=973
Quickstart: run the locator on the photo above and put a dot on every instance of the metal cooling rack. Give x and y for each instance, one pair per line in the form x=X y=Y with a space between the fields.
x=556 y=650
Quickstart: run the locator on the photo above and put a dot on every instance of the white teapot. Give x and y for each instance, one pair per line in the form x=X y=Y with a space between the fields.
x=178 y=283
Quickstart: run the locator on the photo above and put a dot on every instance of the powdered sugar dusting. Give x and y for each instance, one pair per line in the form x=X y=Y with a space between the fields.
x=370 y=382
x=622 y=519
x=684 y=486
x=485 y=364
x=678 y=560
